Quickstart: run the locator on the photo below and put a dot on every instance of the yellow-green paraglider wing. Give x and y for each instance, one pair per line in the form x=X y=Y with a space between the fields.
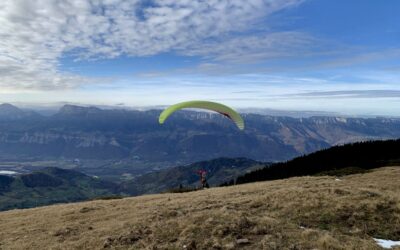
x=217 y=107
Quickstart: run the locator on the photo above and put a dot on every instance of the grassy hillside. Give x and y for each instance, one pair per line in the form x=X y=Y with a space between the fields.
x=296 y=213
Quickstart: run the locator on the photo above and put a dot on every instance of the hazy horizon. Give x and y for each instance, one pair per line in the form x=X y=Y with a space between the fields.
x=52 y=108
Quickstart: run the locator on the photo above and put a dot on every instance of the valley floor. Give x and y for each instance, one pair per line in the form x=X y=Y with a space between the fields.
x=297 y=213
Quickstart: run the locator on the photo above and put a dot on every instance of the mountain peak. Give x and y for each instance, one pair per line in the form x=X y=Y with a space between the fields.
x=6 y=107
x=69 y=109
x=11 y=112
x=8 y=111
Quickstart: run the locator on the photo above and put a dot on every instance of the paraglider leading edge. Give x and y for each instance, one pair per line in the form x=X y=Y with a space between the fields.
x=217 y=107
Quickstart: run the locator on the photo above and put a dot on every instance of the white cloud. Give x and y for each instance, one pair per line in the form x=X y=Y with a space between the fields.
x=34 y=35
x=253 y=48
x=341 y=94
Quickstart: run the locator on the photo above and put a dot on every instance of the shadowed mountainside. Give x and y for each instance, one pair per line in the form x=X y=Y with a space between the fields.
x=335 y=161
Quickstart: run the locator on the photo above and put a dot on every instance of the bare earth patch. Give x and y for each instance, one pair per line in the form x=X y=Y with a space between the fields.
x=296 y=213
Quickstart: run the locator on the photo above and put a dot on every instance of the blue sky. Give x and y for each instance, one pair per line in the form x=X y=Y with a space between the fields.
x=341 y=56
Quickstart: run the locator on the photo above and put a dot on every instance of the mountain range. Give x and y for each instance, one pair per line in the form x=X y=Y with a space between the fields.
x=90 y=133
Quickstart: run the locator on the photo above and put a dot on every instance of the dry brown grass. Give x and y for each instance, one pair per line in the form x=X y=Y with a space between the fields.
x=296 y=213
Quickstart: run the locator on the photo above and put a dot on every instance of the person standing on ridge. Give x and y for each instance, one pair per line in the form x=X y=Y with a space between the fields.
x=203 y=180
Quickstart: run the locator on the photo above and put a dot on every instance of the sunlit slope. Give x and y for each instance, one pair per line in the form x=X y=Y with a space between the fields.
x=296 y=213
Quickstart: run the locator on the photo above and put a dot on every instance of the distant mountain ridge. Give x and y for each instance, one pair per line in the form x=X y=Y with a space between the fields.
x=77 y=110
x=188 y=136
x=11 y=112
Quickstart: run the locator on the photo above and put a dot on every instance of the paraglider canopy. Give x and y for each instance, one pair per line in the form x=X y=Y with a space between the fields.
x=213 y=106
